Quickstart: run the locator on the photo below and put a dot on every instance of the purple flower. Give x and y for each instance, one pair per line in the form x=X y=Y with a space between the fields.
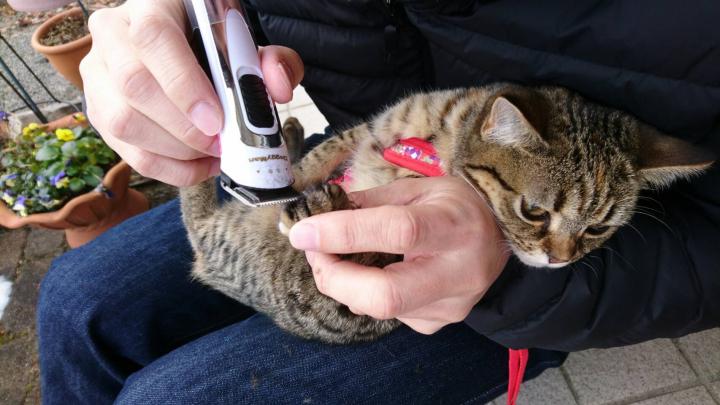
x=11 y=176
x=20 y=202
x=4 y=116
x=57 y=178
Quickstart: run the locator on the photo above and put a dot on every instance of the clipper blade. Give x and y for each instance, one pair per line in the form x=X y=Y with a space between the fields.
x=256 y=197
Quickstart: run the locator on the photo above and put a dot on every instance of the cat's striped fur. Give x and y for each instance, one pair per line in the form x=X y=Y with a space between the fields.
x=560 y=173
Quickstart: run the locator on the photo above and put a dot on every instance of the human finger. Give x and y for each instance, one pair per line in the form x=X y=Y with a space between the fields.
x=157 y=35
x=380 y=293
x=283 y=70
x=162 y=129
x=390 y=229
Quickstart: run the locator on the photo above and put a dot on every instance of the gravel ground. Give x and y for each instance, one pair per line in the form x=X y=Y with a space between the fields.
x=17 y=28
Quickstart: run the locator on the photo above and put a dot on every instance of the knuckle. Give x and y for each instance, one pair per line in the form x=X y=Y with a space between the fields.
x=148 y=30
x=143 y=165
x=349 y=235
x=98 y=19
x=135 y=81
x=119 y=123
x=389 y=302
x=85 y=66
x=178 y=81
x=406 y=231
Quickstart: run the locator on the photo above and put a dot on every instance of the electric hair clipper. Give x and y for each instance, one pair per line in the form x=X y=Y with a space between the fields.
x=254 y=163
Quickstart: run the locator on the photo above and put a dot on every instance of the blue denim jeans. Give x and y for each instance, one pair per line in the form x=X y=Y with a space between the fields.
x=120 y=319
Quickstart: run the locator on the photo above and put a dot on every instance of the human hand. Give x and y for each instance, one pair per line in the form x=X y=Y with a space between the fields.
x=149 y=98
x=453 y=251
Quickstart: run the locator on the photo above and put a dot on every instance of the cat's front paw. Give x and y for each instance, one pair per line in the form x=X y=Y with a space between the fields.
x=316 y=200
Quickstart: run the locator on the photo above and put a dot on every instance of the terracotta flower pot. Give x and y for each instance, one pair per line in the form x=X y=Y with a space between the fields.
x=88 y=215
x=64 y=58
x=37 y=5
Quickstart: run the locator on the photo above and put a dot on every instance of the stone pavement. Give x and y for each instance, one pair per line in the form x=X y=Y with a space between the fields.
x=25 y=255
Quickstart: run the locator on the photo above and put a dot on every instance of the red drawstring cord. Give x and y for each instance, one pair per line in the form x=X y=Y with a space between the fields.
x=516 y=366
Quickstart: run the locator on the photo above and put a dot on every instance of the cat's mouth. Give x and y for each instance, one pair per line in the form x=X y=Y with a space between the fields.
x=538 y=260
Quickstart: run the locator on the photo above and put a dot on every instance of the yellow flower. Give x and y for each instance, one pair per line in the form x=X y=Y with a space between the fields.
x=9 y=200
x=64 y=134
x=30 y=128
x=79 y=117
x=62 y=183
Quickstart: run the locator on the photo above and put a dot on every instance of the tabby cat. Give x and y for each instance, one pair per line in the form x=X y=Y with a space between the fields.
x=560 y=173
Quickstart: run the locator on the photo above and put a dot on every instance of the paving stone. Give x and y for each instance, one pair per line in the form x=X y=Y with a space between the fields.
x=601 y=376
x=18 y=370
x=548 y=388
x=694 y=396
x=11 y=243
x=703 y=351
x=19 y=315
x=715 y=387
x=44 y=243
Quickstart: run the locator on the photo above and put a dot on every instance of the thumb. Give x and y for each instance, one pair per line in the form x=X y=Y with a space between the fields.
x=283 y=70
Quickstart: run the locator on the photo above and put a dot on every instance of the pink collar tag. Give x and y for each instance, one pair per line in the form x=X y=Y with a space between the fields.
x=415 y=154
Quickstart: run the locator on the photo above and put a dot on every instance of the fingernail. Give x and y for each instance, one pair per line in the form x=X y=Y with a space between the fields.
x=215 y=148
x=286 y=75
x=206 y=118
x=303 y=236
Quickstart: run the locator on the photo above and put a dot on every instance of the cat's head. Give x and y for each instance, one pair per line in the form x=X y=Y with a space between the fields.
x=562 y=174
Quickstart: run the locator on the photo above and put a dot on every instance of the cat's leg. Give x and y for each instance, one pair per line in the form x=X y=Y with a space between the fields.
x=294 y=136
x=316 y=200
x=320 y=163
x=198 y=204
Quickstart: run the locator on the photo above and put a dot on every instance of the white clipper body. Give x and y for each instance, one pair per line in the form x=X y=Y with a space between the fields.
x=254 y=162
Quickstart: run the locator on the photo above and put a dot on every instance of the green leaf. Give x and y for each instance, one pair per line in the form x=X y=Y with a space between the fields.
x=47 y=153
x=95 y=171
x=70 y=149
x=77 y=184
x=91 y=180
x=72 y=171
x=54 y=169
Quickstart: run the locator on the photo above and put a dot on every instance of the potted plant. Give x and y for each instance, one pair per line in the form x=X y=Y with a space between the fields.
x=63 y=39
x=63 y=176
x=37 y=5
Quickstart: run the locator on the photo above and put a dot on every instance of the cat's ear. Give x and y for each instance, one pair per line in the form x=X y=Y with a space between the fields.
x=506 y=125
x=663 y=159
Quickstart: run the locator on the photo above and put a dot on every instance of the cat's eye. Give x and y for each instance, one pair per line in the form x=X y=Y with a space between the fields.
x=598 y=230
x=532 y=212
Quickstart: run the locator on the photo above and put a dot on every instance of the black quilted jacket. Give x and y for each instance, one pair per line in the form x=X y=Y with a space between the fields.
x=658 y=59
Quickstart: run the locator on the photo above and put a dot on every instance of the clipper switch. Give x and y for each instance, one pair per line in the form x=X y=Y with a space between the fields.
x=256 y=101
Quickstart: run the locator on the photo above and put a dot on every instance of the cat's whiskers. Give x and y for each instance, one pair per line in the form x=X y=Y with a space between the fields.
x=615 y=252
x=638 y=211
x=637 y=231
x=586 y=264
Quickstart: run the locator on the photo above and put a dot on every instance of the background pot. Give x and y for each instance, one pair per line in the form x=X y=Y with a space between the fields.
x=88 y=215
x=37 y=5
x=64 y=58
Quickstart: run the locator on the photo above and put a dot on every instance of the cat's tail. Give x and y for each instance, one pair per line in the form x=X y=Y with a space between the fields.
x=198 y=203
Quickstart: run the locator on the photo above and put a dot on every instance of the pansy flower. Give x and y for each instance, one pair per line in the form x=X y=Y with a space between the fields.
x=56 y=178
x=64 y=134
